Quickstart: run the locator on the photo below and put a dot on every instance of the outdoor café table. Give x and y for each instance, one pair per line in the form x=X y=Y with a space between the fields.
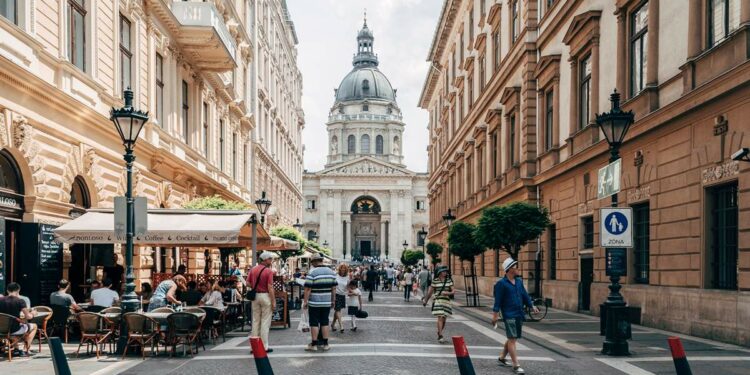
x=161 y=318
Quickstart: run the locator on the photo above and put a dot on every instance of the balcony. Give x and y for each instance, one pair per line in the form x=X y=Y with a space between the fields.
x=204 y=36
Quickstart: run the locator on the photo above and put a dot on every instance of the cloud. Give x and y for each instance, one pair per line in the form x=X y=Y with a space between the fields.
x=327 y=31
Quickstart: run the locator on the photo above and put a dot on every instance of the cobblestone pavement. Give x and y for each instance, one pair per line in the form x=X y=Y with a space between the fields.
x=399 y=338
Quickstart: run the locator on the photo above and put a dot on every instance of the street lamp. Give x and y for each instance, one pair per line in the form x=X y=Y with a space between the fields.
x=325 y=243
x=614 y=125
x=298 y=226
x=263 y=204
x=129 y=123
x=448 y=218
x=421 y=239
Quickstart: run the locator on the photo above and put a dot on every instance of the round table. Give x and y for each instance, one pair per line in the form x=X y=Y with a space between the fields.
x=162 y=317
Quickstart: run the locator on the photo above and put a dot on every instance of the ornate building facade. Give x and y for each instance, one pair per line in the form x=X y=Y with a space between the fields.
x=277 y=88
x=365 y=203
x=512 y=95
x=64 y=64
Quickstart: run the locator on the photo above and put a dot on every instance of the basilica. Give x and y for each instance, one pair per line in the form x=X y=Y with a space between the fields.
x=365 y=203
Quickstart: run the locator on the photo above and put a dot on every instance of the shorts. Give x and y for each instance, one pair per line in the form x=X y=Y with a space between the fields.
x=23 y=329
x=319 y=316
x=513 y=327
x=340 y=302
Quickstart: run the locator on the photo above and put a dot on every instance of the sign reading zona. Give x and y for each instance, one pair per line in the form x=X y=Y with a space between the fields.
x=615 y=227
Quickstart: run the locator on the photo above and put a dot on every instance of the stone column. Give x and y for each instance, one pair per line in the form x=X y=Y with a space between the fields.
x=348 y=237
x=574 y=121
x=408 y=218
x=383 y=238
x=652 y=65
x=323 y=209
x=338 y=229
x=595 y=79
x=622 y=42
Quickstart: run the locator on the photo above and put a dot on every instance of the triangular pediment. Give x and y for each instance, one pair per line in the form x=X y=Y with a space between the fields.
x=366 y=166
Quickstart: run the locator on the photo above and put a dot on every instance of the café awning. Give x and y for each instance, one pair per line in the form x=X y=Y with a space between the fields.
x=279 y=244
x=168 y=227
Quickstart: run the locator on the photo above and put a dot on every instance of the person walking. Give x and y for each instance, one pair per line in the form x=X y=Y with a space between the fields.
x=342 y=281
x=354 y=302
x=260 y=279
x=510 y=298
x=408 y=280
x=442 y=289
x=389 y=274
x=371 y=278
x=320 y=291
x=423 y=278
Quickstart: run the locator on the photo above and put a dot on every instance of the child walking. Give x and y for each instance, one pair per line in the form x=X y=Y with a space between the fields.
x=353 y=303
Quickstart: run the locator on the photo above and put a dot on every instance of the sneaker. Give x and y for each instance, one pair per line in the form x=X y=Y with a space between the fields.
x=518 y=370
x=353 y=329
x=311 y=348
x=342 y=330
x=504 y=362
x=441 y=340
x=326 y=347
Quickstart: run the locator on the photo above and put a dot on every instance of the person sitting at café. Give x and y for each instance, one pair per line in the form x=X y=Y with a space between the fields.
x=62 y=298
x=13 y=305
x=192 y=296
x=214 y=297
x=95 y=284
x=146 y=291
x=105 y=297
x=165 y=292
x=231 y=290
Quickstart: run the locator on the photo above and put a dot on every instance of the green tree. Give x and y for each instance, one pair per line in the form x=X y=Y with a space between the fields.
x=462 y=242
x=510 y=226
x=434 y=250
x=289 y=233
x=411 y=257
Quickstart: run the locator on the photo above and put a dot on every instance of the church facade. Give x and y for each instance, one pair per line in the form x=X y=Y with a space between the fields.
x=365 y=203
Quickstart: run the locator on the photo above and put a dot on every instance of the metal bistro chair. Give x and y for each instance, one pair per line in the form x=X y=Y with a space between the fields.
x=61 y=320
x=142 y=330
x=42 y=323
x=184 y=328
x=92 y=332
x=6 y=333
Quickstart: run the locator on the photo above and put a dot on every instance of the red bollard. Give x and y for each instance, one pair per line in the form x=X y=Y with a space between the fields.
x=681 y=365
x=462 y=356
x=262 y=364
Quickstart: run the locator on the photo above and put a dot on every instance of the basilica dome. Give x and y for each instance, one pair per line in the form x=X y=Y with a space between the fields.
x=365 y=83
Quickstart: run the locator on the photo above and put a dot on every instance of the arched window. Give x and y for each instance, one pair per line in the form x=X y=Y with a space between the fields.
x=379 y=145
x=365 y=85
x=365 y=144
x=310 y=235
x=365 y=107
x=79 y=194
x=351 y=144
x=10 y=178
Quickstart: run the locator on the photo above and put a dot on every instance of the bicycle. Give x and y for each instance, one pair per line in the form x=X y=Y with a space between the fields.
x=541 y=305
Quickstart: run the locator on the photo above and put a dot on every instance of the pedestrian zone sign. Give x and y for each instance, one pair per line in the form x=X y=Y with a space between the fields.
x=616 y=228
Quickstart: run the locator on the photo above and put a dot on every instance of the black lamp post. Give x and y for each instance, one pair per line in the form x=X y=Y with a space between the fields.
x=263 y=204
x=298 y=226
x=129 y=123
x=448 y=218
x=614 y=125
x=325 y=243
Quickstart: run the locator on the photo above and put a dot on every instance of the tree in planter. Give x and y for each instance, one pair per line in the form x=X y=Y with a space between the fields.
x=464 y=245
x=289 y=233
x=216 y=202
x=510 y=226
x=410 y=258
x=434 y=250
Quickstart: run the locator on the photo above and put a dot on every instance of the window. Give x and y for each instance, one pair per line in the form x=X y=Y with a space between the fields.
x=548 y=119
x=641 y=222
x=552 y=250
x=482 y=8
x=453 y=65
x=311 y=204
x=638 y=49
x=723 y=19
x=470 y=84
x=234 y=155
x=584 y=93
x=495 y=146
x=204 y=129
x=420 y=205
x=185 y=111
x=724 y=235
x=482 y=75
x=351 y=144
x=160 y=89
x=461 y=48
x=471 y=25
x=365 y=85
x=379 y=145
x=588 y=232
x=365 y=107
x=126 y=55
x=244 y=165
x=512 y=141
x=365 y=144
x=9 y=10
x=496 y=49
x=77 y=33
x=221 y=145
x=515 y=28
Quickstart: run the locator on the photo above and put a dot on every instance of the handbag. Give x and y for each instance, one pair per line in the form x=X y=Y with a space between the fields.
x=361 y=314
x=438 y=293
x=251 y=294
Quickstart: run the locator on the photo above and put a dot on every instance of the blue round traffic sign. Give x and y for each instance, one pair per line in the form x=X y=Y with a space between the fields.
x=616 y=223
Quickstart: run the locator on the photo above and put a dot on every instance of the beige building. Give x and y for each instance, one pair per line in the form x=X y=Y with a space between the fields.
x=277 y=103
x=64 y=64
x=512 y=95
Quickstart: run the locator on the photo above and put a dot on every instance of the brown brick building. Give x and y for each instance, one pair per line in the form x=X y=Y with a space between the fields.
x=513 y=93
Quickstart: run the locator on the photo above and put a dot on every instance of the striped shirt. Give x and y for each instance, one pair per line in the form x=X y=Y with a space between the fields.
x=321 y=280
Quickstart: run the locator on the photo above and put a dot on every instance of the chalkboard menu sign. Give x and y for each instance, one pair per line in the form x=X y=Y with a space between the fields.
x=280 y=315
x=41 y=265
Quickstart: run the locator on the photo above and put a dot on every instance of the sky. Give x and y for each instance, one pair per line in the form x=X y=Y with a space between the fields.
x=327 y=33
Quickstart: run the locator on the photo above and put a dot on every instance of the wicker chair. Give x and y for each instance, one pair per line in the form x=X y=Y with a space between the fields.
x=6 y=333
x=163 y=310
x=60 y=320
x=42 y=322
x=184 y=328
x=92 y=332
x=142 y=330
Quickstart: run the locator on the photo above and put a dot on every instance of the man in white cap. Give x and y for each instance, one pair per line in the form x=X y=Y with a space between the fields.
x=510 y=297
x=260 y=279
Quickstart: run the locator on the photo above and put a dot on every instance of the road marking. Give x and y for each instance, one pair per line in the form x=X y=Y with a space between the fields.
x=718 y=358
x=492 y=334
x=567 y=321
x=556 y=340
x=343 y=355
x=655 y=347
x=581 y=332
x=398 y=319
x=117 y=367
x=377 y=345
x=232 y=344
x=624 y=366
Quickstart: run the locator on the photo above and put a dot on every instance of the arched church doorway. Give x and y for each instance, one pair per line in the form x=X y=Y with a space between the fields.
x=366 y=228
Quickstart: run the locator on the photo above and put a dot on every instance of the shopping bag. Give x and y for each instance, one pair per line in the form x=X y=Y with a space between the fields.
x=304 y=322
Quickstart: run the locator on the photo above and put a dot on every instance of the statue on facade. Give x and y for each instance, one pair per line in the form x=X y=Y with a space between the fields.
x=395 y=147
x=334 y=146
